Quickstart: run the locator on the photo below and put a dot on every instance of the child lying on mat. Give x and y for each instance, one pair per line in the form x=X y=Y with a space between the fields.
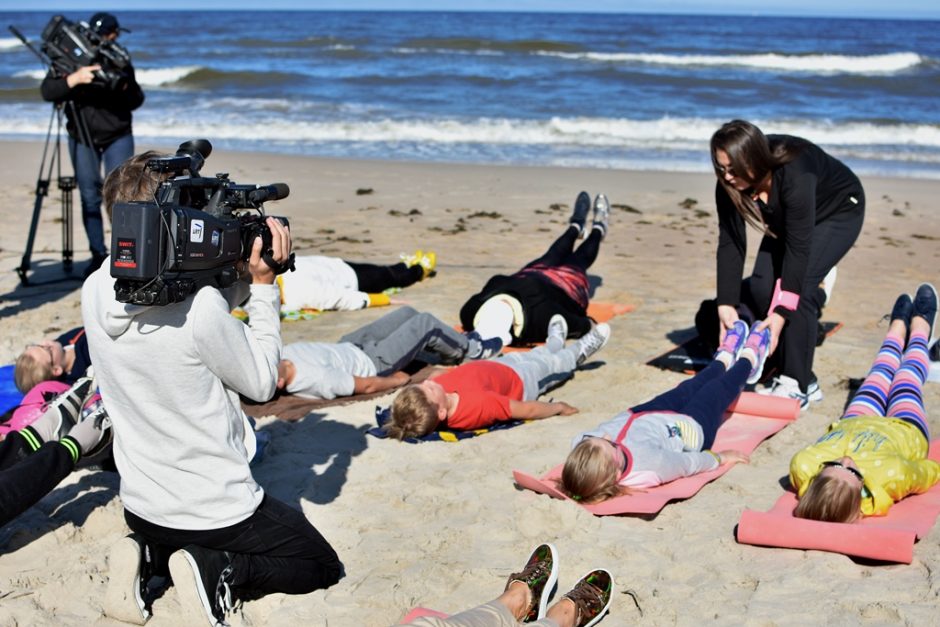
x=668 y=437
x=330 y=283
x=517 y=308
x=370 y=359
x=481 y=393
x=64 y=358
x=876 y=454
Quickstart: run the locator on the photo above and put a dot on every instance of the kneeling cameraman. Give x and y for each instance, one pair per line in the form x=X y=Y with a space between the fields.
x=170 y=377
x=99 y=127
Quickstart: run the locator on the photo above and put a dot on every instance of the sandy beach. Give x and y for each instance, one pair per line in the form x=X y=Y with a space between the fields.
x=442 y=525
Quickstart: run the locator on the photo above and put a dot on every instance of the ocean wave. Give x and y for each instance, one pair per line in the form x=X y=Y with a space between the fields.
x=476 y=44
x=331 y=43
x=810 y=63
x=147 y=77
x=10 y=43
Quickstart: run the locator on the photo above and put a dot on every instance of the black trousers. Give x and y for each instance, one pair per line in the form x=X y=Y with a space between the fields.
x=832 y=239
x=374 y=279
x=562 y=253
x=276 y=549
x=26 y=475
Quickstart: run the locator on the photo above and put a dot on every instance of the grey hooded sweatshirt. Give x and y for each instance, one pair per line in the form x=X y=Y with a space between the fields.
x=170 y=378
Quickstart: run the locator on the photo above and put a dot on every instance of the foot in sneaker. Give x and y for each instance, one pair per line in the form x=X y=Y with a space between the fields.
x=428 y=263
x=579 y=216
x=925 y=304
x=557 y=333
x=601 y=213
x=479 y=348
x=540 y=574
x=63 y=412
x=128 y=596
x=733 y=342
x=92 y=432
x=756 y=347
x=787 y=387
x=200 y=576
x=595 y=340
x=903 y=310
x=591 y=597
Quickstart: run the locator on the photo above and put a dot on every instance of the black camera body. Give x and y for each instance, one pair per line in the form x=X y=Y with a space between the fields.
x=193 y=234
x=72 y=45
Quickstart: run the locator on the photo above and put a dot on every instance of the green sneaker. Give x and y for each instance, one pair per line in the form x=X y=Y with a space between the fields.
x=541 y=575
x=591 y=597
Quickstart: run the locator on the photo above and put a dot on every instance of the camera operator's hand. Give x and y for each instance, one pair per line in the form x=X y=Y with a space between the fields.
x=260 y=271
x=82 y=76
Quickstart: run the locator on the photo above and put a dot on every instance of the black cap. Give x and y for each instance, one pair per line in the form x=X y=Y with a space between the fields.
x=105 y=24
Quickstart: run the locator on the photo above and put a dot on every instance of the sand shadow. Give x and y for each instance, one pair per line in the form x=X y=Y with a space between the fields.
x=67 y=504
x=309 y=459
x=594 y=282
x=47 y=282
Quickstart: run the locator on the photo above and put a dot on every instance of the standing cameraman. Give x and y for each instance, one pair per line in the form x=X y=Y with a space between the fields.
x=99 y=127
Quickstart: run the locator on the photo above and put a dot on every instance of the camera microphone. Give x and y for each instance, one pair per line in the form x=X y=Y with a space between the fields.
x=275 y=191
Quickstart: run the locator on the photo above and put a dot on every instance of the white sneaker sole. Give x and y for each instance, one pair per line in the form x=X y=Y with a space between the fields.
x=122 y=597
x=194 y=603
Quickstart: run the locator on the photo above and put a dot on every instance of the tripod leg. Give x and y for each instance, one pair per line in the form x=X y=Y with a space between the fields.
x=67 y=184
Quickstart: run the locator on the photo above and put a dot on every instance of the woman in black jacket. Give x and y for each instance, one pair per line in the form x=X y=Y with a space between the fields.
x=810 y=208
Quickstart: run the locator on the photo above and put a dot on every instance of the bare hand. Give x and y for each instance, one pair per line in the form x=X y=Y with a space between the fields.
x=259 y=269
x=565 y=409
x=399 y=378
x=727 y=316
x=733 y=457
x=82 y=76
x=775 y=323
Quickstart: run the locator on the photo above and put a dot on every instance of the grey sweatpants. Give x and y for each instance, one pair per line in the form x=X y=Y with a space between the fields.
x=395 y=339
x=541 y=370
x=492 y=614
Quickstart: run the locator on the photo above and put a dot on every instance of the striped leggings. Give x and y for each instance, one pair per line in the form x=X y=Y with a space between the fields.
x=894 y=383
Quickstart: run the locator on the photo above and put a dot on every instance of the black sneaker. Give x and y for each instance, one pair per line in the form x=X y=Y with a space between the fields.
x=581 y=207
x=903 y=309
x=128 y=597
x=925 y=304
x=200 y=576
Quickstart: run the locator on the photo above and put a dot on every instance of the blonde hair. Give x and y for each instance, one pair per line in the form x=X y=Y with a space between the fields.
x=28 y=372
x=830 y=499
x=132 y=180
x=413 y=414
x=590 y=474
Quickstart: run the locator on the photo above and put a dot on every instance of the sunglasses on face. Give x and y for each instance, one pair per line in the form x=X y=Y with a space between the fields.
x=837 y=464
x=724 y=170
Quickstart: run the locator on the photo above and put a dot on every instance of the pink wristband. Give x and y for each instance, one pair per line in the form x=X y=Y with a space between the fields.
x=787 y=300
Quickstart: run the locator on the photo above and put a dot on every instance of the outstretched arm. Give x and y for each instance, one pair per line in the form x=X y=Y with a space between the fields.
x=534 y=410
x=371 y=385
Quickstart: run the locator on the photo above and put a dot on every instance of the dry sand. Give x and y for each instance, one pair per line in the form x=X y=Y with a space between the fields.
x=442 y=525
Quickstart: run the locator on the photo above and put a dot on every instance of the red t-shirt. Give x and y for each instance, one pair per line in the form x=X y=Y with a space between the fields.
x=485 y=389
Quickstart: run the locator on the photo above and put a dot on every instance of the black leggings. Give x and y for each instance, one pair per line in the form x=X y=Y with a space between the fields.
x=26 y=475
x=705 y=397
x=831 y=240
x=276 y=549
x=374 y=279
x=562 y=253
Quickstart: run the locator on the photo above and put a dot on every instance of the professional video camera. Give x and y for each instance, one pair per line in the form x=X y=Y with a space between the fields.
x=70 y=46
x=192 y=235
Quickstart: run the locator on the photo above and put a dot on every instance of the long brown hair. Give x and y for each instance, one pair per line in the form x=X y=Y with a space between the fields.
x=753 y=159
x=590 y=474
x=830 y=499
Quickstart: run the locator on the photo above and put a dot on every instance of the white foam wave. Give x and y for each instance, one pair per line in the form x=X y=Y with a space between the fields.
x=156 y=77
x=811 y=63
x=10 y=43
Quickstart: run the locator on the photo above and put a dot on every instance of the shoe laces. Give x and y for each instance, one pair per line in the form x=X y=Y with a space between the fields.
x=588 y=599
x=224 y=599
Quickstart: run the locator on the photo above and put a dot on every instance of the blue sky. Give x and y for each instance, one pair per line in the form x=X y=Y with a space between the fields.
x=911 y=9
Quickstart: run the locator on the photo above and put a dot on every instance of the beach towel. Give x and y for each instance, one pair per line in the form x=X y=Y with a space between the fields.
x=10 y=397
x=753 y=419
x=382 y=415
x=598 y=311
x=693 y=355
x=888 y=538
x=290 y=407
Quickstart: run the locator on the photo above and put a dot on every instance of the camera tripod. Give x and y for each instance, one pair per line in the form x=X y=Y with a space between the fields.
x=66 y=184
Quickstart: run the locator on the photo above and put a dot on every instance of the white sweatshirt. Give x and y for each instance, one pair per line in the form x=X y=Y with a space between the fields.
x=170 y=378
x=324 y=283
